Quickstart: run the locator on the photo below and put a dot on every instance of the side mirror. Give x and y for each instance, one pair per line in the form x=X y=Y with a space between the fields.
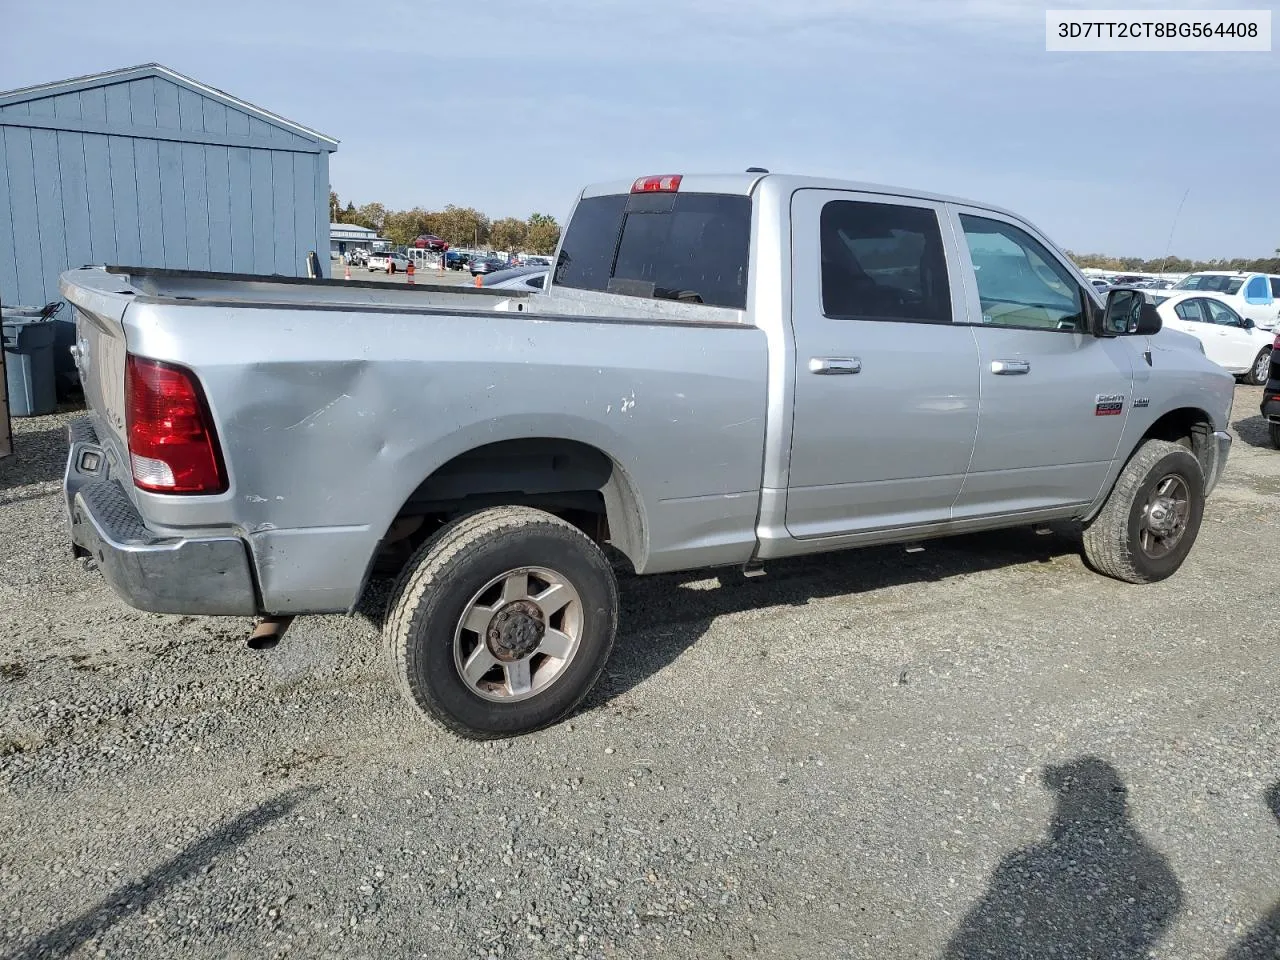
x=1248 y=324
x=1129 y=313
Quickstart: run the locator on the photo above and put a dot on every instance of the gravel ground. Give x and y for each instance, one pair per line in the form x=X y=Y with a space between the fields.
x=981 y=750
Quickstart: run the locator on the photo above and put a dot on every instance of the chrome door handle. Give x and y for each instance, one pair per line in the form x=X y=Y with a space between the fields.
x=1010 y=368
x=828 y=366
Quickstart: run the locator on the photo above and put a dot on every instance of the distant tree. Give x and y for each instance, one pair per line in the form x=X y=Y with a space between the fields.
x=463 y=226
x=543 y=233
x=371 y=215
x=335 y=208
x=508 y=234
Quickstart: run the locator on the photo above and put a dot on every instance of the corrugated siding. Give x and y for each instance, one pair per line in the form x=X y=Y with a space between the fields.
x=120 y=194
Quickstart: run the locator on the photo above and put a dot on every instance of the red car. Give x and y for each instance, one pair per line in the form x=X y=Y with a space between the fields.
x=430 y=241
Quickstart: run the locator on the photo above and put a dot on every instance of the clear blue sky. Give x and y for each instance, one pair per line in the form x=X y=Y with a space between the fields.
x=512 y=105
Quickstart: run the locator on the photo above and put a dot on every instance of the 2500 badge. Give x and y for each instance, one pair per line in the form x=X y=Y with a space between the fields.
x=1108 y=405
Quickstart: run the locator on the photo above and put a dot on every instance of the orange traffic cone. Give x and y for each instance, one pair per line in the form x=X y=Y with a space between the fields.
x=408 y=272
x=479 y=279
x=348 y=271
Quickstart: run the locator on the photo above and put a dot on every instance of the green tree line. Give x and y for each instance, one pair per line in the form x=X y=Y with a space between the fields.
x=460 y=226
x=1173 y=264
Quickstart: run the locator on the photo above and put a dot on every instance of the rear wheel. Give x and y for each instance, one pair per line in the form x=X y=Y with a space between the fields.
x=502 y=622
x=1150 y=521
x=1261 y=367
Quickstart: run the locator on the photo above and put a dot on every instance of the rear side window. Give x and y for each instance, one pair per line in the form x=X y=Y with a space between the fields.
x=1257 y=288
x=883 y=261
x=691 y=247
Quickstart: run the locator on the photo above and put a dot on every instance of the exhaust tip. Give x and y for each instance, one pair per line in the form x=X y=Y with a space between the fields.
x=268 y=632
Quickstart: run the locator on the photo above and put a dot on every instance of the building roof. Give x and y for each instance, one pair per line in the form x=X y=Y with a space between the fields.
x=125 y=74
x=352 y=231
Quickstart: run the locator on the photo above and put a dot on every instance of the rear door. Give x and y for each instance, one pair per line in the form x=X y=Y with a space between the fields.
x=1054 y=397
x=886 y=394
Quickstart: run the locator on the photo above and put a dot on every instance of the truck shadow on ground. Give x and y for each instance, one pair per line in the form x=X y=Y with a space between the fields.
x=1254 y=431
x=141 y=893
x=1092 y=888
x=1262 y=942
x=662 y=616
x=39 y=456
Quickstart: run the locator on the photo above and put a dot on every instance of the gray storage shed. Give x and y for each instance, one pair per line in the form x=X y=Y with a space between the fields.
x=146 y=167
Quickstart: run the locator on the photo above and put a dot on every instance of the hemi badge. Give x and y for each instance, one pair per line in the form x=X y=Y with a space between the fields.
x=1108 y=405
x=1141 y=402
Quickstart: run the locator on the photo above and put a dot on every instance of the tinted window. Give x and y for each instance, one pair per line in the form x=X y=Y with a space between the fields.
x=672 y=246
x=1220 y=313
x=1214 y=283
x=1275 y=287
x=881 y=261
x=586 y=256
x=1190 y=310
x=1021 y=284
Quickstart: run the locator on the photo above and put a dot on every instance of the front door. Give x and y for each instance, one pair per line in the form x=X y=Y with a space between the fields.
x=1054 y=397
x=1236 y=344
x=886 y=384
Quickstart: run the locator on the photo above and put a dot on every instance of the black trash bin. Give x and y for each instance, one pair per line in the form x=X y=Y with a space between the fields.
x=28 y=363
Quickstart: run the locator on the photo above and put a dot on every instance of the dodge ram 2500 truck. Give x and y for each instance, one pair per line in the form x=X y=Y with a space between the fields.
x=724 y=370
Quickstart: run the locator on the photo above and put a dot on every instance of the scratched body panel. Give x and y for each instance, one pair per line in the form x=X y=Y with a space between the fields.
x=336 y=416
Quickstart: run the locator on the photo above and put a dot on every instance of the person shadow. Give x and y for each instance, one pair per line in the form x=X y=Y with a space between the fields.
x=1092 y=889
x=1263 y=941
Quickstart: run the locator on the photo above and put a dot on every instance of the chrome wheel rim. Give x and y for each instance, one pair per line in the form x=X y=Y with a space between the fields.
x=518 y=634
x=1164 y=517
x=1262 y=367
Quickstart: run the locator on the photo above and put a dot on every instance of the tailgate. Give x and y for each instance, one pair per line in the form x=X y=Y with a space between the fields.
x=99 y=301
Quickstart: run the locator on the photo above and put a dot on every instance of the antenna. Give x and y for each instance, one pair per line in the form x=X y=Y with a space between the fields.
x=1168 y=249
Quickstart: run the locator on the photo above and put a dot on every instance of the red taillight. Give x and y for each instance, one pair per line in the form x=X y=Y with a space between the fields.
x=172 y=446
x=667 y=184
x=1275 y=344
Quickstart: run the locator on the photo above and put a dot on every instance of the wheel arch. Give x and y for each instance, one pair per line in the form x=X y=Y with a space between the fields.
x=571 y=478
x=1190 y=426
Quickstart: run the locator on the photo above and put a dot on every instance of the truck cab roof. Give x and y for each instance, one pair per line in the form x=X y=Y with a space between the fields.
x=746 y=184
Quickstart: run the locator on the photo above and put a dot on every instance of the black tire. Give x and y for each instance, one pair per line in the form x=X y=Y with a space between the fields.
x=435 y=589
x=1112 y=540
x=1274 y=430
x=1263 y=361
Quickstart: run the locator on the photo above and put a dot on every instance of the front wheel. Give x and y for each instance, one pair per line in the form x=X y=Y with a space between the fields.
x=1150 y=521
x=1261 y=367
x=502 y=622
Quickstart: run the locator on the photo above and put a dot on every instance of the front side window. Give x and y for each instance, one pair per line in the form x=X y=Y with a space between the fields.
x=883 y=261
x=1222 y=315
x=1021 y=284
x=1257 y=289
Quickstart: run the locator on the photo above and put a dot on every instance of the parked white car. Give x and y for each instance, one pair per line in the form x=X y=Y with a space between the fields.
x=388 y=263
x=1230 y=340
x=1255 y=296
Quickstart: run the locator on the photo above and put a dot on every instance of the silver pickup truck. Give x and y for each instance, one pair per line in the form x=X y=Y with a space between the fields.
x=722 y=371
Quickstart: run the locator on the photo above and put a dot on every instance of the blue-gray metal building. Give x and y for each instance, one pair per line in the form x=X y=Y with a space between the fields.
x=146 y=167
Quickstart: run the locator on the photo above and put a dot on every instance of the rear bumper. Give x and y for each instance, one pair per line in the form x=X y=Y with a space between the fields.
x=1271 y=402
x=161 y=574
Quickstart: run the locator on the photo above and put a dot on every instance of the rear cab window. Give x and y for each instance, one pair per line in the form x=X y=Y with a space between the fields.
x=690 y=247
